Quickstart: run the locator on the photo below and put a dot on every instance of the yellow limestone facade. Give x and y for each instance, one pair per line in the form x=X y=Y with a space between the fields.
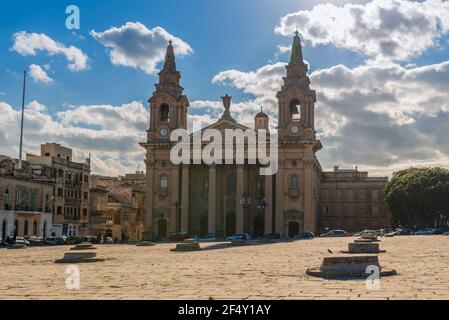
x=223 y=199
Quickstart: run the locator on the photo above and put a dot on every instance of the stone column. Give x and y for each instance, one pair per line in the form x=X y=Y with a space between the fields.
x=212 y=200
x=309 y=212
x=269 y=208
x=279 y=210
x=239 y=210
x=185 y=198
x=174 y=196
x=149 y=199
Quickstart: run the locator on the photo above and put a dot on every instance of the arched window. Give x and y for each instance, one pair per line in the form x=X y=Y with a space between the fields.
x=231 y=184
x=35 y=228
x=295 y=109
x=164 y=183
x=294 y=183
x=25 y=228
x=165 y=113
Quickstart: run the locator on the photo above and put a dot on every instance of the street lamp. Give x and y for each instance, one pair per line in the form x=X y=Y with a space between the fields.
x=178 y=206
x=263 y=204
x=245 y=201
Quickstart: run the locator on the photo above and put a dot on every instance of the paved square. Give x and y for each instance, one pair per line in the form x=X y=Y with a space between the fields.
x=270 y=271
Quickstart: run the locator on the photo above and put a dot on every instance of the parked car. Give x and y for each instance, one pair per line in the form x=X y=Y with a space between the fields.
x=335 y=233
x=52 y=241
x=208 y=238
x=36 y=241
x=425 y=232
x=441 y=230
x=272 y=236
x=404 y=232
x=238 y=236
x=109 y=240
x=366 y=233
x=390 y=234
x=179 y=237
x=305 y=235
x=22 y=241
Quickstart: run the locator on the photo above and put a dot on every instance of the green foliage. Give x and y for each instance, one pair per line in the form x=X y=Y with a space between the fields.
x=419 y=197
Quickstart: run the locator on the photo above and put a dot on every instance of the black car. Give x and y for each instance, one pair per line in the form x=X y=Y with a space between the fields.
x=441 y=230
x=404 y=232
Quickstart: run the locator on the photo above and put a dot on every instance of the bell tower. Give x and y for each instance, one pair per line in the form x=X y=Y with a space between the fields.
x=296 y=99
x=298 y=176
x=168 y=112
x=168 y=105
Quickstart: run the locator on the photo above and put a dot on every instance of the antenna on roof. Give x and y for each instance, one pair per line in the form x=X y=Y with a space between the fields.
x=21 y=124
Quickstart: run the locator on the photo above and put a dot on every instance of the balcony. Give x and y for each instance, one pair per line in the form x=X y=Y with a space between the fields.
x=294 y=193
x=73 y=201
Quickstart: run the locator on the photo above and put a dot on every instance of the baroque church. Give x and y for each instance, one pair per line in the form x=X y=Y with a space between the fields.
x=224 y=199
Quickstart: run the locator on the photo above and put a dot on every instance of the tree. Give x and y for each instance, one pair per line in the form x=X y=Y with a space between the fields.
x=419 y=197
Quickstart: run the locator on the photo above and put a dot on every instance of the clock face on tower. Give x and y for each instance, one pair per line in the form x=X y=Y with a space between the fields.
x=294 y=129
x=163 y=132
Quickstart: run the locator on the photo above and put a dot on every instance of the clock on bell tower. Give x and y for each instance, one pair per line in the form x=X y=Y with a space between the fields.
x=168 y=105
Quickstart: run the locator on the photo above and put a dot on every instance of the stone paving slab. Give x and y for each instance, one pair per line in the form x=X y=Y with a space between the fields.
x=269 y=271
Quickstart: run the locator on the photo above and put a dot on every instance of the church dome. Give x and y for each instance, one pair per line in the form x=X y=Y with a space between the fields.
x=261 y=114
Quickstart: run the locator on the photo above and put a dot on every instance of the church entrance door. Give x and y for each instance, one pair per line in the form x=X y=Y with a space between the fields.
x=162 y=229
x=293 y=229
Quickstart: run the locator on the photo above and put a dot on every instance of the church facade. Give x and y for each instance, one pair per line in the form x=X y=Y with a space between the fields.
x=223 y=199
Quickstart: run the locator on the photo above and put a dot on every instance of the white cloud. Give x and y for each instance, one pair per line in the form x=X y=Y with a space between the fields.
x=134 y=45
x=28 y=44
x=114 y=147
x=379 y=117
x=381 y=29
x=38 y=74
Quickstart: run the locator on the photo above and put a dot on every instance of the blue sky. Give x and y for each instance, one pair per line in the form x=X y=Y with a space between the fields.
x=236 y=43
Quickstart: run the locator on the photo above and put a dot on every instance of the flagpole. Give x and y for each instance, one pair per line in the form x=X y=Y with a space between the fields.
x=21 y=124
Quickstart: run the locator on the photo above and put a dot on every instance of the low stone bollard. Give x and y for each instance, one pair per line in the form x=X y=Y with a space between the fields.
x=363 y=247
x=84 y=246
x=80 y=257
x=186 y=246
x=348 y=267
x=145 y=244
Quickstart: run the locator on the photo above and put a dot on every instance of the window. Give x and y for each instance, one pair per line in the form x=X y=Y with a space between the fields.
x=35 y=228
x=375 y=195
x=294 y=183
x=324 y=209
x=59 y=210
x=295 y=109
x=325 y=194
x=165 y=113
x=231 y=184
x=27 y=199
x=17 y=198
x=86 y=178
x=25 y=228
x=86 y=195
x=6 y=198
x=338 y=194
x=350 y=194
x=375 y=210
x=164 y=183
x=85 y=212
